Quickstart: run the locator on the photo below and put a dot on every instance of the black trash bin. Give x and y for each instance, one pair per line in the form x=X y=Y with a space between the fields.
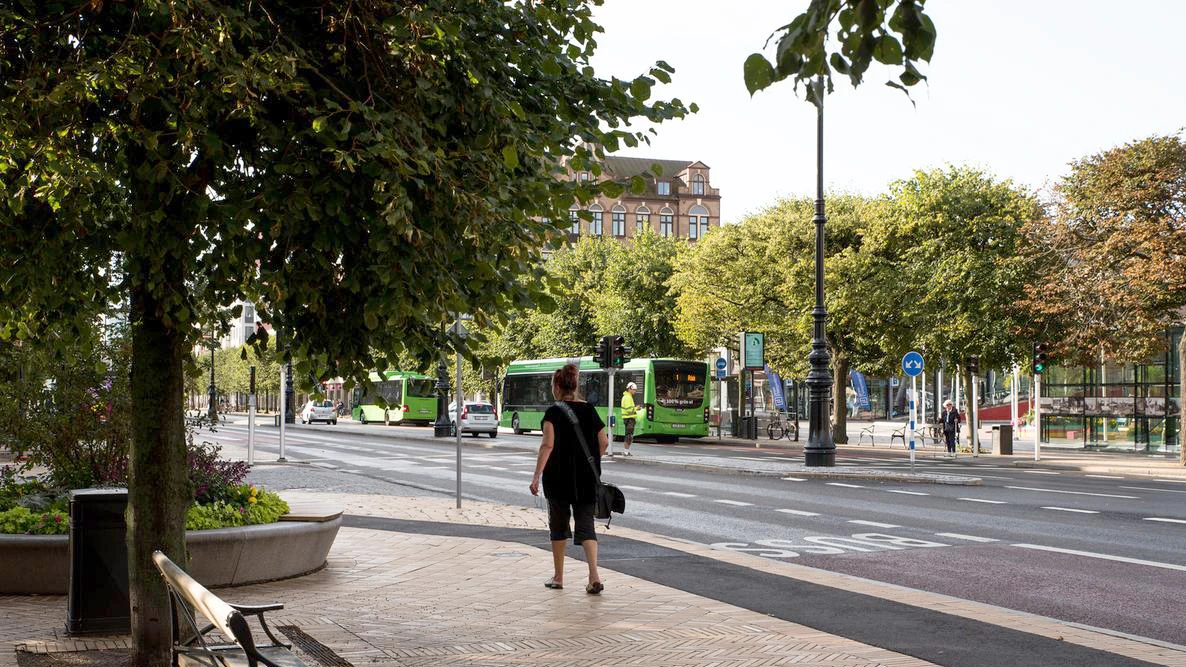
x=98 y=599
x=1002 y=439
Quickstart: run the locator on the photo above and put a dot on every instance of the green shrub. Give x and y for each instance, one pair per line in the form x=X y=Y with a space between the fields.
x=246 y=505
x=22 y=521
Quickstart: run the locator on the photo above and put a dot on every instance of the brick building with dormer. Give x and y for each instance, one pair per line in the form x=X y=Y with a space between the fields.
x=680 y=203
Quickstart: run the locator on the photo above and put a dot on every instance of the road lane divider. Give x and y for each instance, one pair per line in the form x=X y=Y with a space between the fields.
x=847 y=486
x=677 y=494
x=1072 y=493
x=797 y=512
x=875 y=524
x=1092 y=554
x=1070 y=509
x=982 y=500
x=1164 y=520
x=1149 y=488
x=1105 y=476
x=968 y=538
x=735 y=503
x=907 y=493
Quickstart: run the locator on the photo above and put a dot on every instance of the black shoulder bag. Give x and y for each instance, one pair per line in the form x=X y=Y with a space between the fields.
x=609 y=498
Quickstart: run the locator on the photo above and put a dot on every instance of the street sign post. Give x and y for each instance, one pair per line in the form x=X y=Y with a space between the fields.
x=912 y=365
x=722 y=366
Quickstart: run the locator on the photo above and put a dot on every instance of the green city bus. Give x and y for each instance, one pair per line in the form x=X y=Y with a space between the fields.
x=673 y=392
x=410 y=398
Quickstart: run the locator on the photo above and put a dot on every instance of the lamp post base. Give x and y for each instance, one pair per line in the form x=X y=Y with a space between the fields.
x=819 y=459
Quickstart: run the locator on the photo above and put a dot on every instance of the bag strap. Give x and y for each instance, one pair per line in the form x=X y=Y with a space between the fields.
x=576 y=426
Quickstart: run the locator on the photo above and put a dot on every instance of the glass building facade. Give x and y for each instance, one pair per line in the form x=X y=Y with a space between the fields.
x=1116 y=406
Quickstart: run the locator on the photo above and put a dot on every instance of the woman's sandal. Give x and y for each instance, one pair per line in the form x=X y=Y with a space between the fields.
x=553 y=584
x=594 y=588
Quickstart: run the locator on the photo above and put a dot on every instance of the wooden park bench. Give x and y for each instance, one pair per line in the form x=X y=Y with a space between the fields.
x=190 y=599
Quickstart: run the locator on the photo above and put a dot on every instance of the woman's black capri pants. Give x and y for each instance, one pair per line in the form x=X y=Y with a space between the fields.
x=559 y=514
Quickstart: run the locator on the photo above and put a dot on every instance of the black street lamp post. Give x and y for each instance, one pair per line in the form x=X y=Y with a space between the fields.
x=442 y=428
x=820 y=449
x=212 y=408
x=290 y=414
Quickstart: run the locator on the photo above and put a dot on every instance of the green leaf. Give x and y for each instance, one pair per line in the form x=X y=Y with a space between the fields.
x=371 y=321
x=638 y=185
x=640 y=88
x=319 y=124
x=759 y=73
x=888 y=51
x=612 y=190
x=510 y=157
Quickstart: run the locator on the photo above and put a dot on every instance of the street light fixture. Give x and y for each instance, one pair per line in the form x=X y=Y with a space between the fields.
x=820 y=449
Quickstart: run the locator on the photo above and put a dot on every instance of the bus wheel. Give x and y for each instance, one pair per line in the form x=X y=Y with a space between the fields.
x=515 y=425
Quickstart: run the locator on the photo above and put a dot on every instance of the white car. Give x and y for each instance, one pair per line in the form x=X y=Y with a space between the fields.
x=319 y=411
x=476 y=418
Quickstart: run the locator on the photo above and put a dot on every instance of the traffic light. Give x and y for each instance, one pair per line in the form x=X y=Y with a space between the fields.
x=601 y=353
x=973 y=364
x=621 y=353
x=1041 y=359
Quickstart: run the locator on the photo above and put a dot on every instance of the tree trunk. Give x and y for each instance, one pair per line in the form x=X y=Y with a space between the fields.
x=839 y=404
x=158 y=480
x=1181 y=397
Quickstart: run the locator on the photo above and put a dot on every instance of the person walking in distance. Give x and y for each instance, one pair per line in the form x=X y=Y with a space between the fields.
x=629 y=416
x=951 y=425
x=568 y=483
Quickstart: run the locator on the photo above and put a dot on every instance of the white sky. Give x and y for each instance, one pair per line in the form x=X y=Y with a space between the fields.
x=1016 y=87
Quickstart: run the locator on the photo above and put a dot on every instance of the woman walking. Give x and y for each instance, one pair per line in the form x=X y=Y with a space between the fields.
x=951 y=425
x=568 y=483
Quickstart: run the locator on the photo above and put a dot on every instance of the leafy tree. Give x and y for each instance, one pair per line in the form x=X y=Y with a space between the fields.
x=896 y=33
x=1112 y=272
x=636 y=300
x=758 y=275
x=955 y=235
x=357 y=170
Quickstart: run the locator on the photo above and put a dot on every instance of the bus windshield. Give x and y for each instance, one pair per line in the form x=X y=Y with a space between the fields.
x=679 y=384
x=422 y=388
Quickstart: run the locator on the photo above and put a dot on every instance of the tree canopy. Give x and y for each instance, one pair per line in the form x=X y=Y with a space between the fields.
x=358 y=170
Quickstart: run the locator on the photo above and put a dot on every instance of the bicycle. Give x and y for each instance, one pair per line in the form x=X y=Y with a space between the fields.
x=780 y=427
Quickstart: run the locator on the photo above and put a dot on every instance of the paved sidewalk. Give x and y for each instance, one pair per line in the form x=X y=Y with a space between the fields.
x=401 y=598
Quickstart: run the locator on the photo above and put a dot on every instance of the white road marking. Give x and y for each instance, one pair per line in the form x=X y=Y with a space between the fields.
x=677 y=494
x=1071 y=509
x=1157 y=518
x=1150 y=488
x=1090 y=554
x=1105 y=476
x=969 y=538
x=798 y=512
x=982 y=500
x=847 y=486
x=907 y=493
x=793 y=479
x=1041 y=472
x=875 y=524
x=735 y=503
x=633 y=488
x=1072 y=493
x=1172 y=481
x=352 y=471
x=440 y=468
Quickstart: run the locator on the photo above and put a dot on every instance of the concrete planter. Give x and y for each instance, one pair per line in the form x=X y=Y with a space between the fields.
x=40 y=564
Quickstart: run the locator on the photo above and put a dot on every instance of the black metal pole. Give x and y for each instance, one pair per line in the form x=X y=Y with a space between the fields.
x=442 y=427
x=820 y=449
x=290 y=409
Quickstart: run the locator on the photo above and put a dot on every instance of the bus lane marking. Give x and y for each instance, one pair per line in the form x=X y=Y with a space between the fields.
x=1162 y=519
x=1105 y=476
x=677 y=494
x=1070 y=509
x=982 y=500
x=797 y=512
x=1149 y=488
x=907 y=493
x=847 y=486
x=735 y=503
x=875 y=524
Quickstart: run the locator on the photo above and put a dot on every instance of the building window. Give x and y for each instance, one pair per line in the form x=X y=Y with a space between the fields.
x=663 y=187
x=698 y=184
x=595 y=226
x=618 y=220
x=697 y=222
x=642 y=219
x=248 y=315
x=575 y=217
x=584 y=176
x=666 y=222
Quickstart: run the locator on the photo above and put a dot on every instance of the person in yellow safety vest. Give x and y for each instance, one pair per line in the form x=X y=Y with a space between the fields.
x=629 y=415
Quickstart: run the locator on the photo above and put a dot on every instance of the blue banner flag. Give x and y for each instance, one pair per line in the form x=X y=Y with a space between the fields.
x=862 y=388
x=775 y=384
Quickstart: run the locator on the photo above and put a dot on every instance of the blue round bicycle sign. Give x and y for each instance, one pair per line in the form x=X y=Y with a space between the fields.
x=912 y=364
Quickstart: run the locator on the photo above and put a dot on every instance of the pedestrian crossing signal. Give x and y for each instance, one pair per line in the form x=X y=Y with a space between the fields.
x=1040 y=358
x=621 y=353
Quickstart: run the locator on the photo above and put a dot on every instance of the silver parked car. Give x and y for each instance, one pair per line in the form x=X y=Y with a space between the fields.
x=476 y=418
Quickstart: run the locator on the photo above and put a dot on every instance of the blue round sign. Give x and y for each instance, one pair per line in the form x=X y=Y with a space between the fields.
x=912 y=364
x=721 y=366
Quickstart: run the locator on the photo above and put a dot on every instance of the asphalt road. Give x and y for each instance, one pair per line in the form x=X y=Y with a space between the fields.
x=1105 y=551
